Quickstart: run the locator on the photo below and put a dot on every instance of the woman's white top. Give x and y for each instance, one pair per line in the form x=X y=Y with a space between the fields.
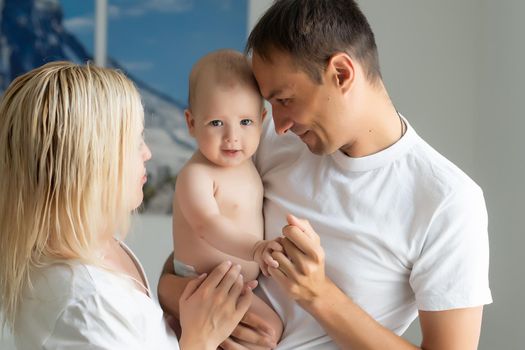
x=77 y=306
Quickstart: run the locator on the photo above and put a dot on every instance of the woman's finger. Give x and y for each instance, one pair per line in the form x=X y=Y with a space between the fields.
x=243 y=303
x=237 y=288
x=229 y=279
x=192 y=286
x=217 y=274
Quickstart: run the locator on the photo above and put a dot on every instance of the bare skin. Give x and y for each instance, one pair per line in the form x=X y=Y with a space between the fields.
x=209 y=198
x=217 y=205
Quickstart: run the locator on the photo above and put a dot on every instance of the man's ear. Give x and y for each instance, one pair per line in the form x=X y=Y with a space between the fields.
x=341 y=71
x=190 y=122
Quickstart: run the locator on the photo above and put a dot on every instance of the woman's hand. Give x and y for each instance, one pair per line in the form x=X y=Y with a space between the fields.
x=210 y=308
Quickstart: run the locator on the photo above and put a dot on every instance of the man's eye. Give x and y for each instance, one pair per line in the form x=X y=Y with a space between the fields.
x=246 y=122
x=283 y=101
x=216 y=123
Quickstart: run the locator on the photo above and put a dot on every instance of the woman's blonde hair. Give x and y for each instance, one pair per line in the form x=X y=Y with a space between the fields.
x=66 y=135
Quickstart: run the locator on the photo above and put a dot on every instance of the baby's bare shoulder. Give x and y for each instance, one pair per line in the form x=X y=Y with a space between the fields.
x=195 y=171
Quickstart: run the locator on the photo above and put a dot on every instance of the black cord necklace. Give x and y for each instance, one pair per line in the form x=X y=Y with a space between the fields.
x=403 y=125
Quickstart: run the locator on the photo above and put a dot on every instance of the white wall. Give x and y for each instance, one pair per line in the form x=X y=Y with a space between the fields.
x=500 y=166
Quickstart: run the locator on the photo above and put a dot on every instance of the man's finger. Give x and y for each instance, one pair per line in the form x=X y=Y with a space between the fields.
x=304 y=243
x=257 y=323
x=285 y=265
x=230 y=344
x=280 y=278
x=249 y=335
x=302 y=224
x=296 y=256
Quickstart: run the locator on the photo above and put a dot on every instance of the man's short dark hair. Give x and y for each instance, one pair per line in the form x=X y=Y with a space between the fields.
x=312 y=31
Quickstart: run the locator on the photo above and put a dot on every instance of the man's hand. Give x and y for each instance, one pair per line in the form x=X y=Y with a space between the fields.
x=252 y=330
x=262 y=254
x=301 y=270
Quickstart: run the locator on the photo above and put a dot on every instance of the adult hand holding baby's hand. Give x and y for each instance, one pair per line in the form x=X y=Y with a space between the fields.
x=262 y=254
x=301 y=271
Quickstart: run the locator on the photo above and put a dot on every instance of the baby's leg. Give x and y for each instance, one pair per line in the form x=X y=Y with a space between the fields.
x=265 y=311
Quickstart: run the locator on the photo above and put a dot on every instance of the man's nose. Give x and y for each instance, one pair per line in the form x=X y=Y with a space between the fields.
x=282 y=124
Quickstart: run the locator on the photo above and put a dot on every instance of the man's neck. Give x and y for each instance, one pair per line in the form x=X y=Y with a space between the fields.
x=379 y=126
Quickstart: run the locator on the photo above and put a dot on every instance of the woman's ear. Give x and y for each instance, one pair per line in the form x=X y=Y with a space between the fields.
x=341 y=71
x=190 y=122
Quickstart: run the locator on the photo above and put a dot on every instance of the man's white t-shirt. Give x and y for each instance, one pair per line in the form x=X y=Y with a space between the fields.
x=76 y=306
x=403 y=230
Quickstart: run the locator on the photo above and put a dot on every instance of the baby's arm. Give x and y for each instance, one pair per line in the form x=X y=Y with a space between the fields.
x=195 y=195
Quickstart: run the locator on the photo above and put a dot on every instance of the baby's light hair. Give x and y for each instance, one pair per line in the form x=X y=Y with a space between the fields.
x=66 y=133
x=224 y=68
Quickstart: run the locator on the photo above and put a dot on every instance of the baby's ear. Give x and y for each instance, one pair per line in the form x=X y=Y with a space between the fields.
x=190 y=122
x=263 y=114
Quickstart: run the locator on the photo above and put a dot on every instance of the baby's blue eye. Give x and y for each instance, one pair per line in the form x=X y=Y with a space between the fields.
x=246 y=122
x=216 y=123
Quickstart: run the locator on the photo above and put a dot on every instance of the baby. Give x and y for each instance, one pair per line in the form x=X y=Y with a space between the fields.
x=217 y=206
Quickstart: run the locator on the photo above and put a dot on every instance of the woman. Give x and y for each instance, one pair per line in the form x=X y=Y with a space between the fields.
x=72 y=164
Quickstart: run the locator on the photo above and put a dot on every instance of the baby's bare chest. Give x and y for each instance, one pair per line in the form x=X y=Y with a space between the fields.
x=239 y=195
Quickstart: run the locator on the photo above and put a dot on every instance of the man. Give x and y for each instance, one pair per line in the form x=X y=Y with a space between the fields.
x=394 y=229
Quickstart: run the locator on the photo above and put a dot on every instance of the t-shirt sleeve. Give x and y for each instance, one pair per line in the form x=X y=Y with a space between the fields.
x=92 y=323
x=452 y=269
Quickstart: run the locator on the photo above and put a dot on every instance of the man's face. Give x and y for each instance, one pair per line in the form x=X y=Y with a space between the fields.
x=309 y=110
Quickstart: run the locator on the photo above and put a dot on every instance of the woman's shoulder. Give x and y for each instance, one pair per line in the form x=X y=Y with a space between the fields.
x=60 y=281
x=51 y=290
x=84 y=305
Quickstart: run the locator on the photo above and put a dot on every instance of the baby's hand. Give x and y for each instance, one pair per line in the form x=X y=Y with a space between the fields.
x=262 y=254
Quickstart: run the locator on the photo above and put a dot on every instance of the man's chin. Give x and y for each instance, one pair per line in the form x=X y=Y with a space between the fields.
x=315 y=149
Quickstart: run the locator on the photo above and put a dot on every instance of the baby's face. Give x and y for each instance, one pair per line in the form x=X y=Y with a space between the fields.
x=227 y=124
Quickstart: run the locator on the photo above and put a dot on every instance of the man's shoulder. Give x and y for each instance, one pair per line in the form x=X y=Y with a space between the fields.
x=437 y=173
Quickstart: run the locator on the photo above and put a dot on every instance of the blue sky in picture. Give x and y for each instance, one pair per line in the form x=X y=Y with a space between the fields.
x=159 y=40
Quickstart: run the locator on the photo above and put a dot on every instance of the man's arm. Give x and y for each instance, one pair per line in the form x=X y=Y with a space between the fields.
x=170 y=288
x=301 y=274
